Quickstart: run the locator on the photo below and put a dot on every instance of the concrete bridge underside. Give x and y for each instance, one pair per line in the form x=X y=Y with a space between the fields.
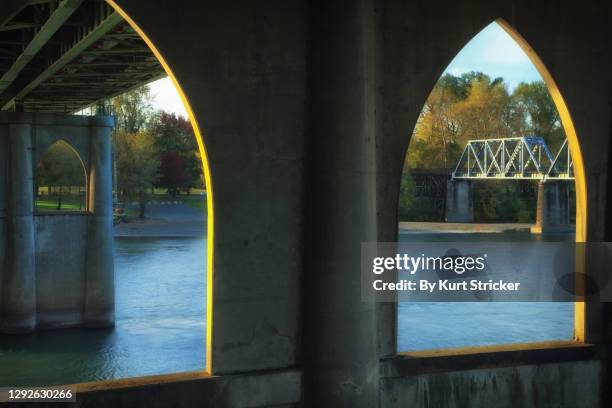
x=61 y=56
x=316 y=101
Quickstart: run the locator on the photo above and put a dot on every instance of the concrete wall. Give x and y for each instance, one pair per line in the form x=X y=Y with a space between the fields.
x=61 y=245
x=419 y=39
x=307 y=109
x=459 y=201
x=244 y=73
x=60 y=259
x=573 y=385
x=553 y=208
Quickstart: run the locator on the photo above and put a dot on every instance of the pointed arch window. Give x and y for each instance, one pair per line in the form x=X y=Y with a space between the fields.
x=61 y=180
x=495 y=88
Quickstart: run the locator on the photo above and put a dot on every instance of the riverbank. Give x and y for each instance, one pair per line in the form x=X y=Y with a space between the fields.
x=456 y=227
x=165 y=220
x=179 y=220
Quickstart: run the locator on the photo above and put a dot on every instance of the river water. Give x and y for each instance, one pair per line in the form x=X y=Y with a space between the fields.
x=432 y=325
x=160 y=320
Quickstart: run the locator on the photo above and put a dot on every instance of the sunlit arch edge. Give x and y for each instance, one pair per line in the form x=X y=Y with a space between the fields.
x=83 y=167
x=207 y=178
x=574 y=145
x=579 y=173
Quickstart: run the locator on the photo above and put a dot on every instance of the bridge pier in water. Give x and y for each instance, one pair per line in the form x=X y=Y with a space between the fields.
x=18 y=296
x=553 y=211
x=56 y=269
x=459 y=201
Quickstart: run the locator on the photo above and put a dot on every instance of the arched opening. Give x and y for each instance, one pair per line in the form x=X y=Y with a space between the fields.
x=61 y=180
x=465 y=112
x=123 y=351
x=574 y=146
x=206 y=173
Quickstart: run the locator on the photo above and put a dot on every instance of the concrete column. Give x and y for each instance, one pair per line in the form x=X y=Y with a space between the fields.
x=459 y=202
x=99 y=308
x=3 y=202
x=553 y=212
x=18 y=304
x=340 y=339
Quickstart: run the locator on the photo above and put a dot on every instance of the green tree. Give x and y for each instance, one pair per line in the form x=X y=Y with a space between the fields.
x=539 y=113
x=138 y=165
x=476 y=106
x=134 y=153
x=132 y=110
x=411 y=207
x=60 y=169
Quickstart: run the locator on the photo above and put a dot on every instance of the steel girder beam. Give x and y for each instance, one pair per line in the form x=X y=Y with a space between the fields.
x=10 y=9
x=161 y=75
x=104 y=26
x=526 y=158
x=59 y=16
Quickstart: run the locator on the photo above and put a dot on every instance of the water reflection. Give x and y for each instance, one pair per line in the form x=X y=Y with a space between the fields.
x=160 y=294
x=160 y=326
x=423 y=326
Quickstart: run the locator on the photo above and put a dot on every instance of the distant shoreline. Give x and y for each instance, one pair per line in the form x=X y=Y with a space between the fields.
x=171 y=220
x=457 y=227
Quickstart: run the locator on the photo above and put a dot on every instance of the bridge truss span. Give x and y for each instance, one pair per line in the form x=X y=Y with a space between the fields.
x=522 y=158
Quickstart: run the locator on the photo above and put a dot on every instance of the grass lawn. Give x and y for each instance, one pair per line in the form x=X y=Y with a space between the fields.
x=51 y=205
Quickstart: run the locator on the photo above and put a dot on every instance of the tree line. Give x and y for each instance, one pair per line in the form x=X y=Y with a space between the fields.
x=476 y=106
x=152 y=149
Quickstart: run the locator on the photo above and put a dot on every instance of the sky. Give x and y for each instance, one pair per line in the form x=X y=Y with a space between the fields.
x=491 y=51
x=495 y=53
x=166 y=98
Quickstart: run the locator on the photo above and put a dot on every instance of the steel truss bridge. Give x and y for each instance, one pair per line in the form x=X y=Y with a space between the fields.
x=64 y=55
x=522 y=158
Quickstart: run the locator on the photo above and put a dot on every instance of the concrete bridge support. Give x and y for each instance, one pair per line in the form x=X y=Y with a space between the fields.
x=459 y=203
x=341 y=372
x=56 y=269
x=280 y=87
x=18 y=303
x=100 y=275
x=553 y=212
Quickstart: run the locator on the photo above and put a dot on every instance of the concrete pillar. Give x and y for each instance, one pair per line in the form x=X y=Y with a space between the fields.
x=340 y=339
x=553 y=212
x=459 y=202
x=3 y=202
x=18 y=304
x=99 y=308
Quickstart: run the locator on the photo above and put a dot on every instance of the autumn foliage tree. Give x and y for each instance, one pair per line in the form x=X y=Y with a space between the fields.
x=134 y=153
x=138 y=165
x=180 y=168
x=476 y=106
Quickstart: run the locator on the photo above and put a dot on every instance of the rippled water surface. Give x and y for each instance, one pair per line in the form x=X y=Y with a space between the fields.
x=160 y=326
x=433 y=325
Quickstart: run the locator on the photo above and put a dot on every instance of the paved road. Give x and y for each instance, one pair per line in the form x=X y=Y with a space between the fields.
x=166 y=220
